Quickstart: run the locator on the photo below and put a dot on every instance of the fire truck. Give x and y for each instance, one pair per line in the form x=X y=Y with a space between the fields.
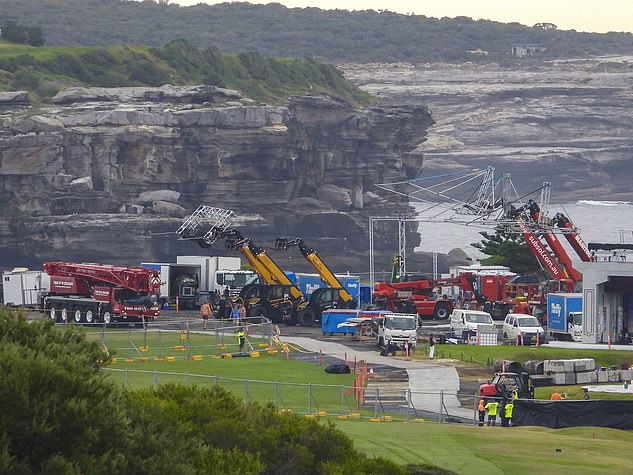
x=91 y=293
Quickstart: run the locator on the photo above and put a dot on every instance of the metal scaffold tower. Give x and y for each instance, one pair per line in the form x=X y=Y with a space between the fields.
x=206 y=224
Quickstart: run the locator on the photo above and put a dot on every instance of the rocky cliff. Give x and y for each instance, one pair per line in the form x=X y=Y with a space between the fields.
x=104 y=175
x=566 y=122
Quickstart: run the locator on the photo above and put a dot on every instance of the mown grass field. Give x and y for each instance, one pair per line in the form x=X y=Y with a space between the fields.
x=459 y=448
x=140 y=360
x=496 y=450
x=486 y=355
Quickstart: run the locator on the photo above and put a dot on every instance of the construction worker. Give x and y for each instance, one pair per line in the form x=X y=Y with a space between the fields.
x=241 y=337
x=431 y=347
x=515 y=394
x=507 y=413
x=242 y=311
x=491 y=409
x=556 y=396
x=205 y=312
x=482 y=412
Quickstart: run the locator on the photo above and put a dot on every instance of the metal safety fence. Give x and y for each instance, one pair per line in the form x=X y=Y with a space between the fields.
x=376 y=404
x=180 y=338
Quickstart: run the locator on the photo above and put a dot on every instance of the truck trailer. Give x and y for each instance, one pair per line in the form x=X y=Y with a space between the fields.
x=179 y=282
x=219 y=272
x=564 y=316
x=24 y=288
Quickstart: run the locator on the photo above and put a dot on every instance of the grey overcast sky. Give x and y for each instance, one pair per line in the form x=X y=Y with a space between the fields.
x=581 y=15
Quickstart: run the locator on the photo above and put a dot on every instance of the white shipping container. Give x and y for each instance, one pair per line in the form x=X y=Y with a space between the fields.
x=24 y=288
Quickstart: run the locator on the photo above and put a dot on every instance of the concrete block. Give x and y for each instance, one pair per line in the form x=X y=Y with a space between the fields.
x=558 y=366
x=570 y=378
x=625 y=374
x=558 y=378
x=613 y=376
x=584 y=364
x=586 y=377
x=603 y=377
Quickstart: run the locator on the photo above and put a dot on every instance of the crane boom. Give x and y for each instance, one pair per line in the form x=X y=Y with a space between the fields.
x=562 y=256
x=574 y=239
x=313 y=258
x=138 y=279
x=261 y=262
x=540 y=252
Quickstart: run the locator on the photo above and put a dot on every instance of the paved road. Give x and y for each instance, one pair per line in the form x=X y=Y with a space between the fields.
x=426 y=380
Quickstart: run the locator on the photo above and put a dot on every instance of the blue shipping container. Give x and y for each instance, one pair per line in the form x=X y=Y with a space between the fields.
x=308 y=283
x=331 y=318
x=559 y=306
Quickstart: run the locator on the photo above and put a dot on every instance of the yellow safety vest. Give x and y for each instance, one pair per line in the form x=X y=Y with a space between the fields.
x=240 y=335
x=509 y=409
x=491 y=407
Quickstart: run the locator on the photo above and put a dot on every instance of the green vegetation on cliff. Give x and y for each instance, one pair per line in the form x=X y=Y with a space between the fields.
x=276 y=31
x=46 y=70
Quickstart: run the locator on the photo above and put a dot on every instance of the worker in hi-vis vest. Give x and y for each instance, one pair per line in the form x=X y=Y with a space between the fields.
x=241 y=337
x=491 y=409
x=507 y=414
x=482 y=412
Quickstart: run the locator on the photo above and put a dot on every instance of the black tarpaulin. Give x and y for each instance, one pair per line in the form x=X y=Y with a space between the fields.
x=560 y=414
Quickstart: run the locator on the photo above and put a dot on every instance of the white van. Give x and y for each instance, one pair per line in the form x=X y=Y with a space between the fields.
x=468 y=320
x=525 y=325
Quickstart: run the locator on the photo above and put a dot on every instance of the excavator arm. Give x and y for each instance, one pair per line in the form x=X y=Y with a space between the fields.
x=313 y=258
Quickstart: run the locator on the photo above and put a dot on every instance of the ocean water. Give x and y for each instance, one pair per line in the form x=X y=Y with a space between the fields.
x=598 y=221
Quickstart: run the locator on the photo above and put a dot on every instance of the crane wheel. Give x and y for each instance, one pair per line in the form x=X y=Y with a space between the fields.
x=89 y=316
x=441 y=311
x=77 y=315
x=53 y=314
x=306 y=318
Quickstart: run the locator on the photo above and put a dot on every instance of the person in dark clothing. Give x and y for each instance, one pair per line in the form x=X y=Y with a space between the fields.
x=431 y=347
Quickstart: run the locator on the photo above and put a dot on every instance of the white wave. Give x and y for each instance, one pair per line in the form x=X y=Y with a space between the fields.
x=604 y=203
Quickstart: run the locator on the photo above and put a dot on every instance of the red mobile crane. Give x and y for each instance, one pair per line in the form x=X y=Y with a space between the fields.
x=417 y=296
x=101 y=293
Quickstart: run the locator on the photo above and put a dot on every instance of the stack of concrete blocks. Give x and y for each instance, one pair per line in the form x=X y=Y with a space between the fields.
x=585 y=369
x=614 y=375
x=576 y=371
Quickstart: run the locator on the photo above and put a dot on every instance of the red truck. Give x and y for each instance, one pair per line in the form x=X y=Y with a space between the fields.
x=91 y=293
x=416 y=296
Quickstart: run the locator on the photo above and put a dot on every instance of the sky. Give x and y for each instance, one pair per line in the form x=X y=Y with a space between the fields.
x=581 y=15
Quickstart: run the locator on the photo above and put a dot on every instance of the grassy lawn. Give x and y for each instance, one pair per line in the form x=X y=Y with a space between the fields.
x=576 y=392
x=161 y=343
x=496 y=450
x=265 y=378
x=486 y=355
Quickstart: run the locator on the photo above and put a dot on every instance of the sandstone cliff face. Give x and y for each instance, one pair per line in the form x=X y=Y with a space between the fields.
x=100 y=174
